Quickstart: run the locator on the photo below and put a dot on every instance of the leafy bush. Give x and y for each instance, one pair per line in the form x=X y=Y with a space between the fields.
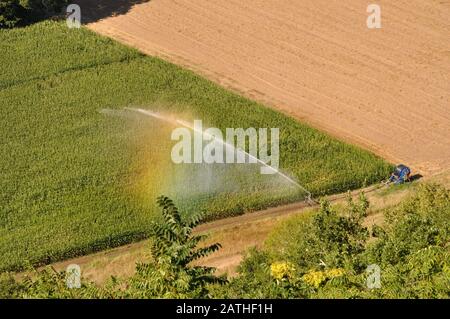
x=9 y=287
x=330 y=253
x=256 y=280
x=329 y=238
x=173 y=249
x=20 y=12
x=169 y=273
x=417 y=224
x=422 y=270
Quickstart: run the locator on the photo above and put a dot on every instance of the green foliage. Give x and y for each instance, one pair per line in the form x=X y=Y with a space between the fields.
x=417 y=224
x=421 y=271
x=317 y=245
x=9 y=287
x=76 y=181
x=326 y=239
x=45 y=284
x=173 y=249
x=330 y=253
x=170 y=273
x=19 y=12
x=173 y=238
x=335 y=239
x=36 y=53
x=255 y=281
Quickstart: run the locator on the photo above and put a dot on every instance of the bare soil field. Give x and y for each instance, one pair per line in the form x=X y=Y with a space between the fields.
x=385 y=89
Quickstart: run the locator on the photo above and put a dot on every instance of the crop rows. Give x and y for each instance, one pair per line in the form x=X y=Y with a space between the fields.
x=75 y=180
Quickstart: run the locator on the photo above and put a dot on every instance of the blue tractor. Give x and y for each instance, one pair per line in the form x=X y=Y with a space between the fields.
x=401 y=174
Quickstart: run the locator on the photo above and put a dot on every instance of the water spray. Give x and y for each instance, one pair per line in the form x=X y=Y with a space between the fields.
x=183 y=123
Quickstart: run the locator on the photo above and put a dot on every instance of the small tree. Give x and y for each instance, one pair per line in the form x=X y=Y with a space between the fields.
x=335 y=238
x=173 y=249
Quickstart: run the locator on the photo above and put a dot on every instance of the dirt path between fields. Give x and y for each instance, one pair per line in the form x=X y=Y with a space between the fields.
x=385 y=89
x=236 y=234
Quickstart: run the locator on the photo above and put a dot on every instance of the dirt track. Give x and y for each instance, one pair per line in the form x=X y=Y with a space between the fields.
x=236 y=234
x=386 y=89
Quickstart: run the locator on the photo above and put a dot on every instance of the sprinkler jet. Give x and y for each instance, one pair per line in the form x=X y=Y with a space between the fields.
x=263 y=159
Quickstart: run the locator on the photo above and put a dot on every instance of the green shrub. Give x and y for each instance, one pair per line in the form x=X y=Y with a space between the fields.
x=329 y=237
x=330 y=252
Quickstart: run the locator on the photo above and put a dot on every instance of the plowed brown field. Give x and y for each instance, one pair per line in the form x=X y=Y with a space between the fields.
x=386 y=89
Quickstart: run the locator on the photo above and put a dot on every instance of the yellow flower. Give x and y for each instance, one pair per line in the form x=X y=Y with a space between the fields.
x=336 y=272
x=316 y=278
x=282 y=270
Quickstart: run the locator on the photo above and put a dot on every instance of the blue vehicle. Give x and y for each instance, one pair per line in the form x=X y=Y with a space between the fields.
x=400 y=175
